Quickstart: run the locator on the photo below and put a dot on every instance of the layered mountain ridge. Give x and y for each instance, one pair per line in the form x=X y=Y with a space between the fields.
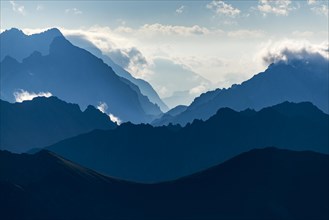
x=153 y=154
x=74 y=75
x=294 y=81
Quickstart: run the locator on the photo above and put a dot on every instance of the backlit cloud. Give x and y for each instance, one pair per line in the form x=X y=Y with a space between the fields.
x=102 y=106
x=23 y=95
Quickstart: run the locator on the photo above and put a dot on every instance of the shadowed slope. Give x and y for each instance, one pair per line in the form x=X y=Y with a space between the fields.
x=260 y=184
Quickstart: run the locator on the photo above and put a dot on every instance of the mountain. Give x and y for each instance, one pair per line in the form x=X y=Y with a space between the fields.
x=16 y=44
x=151 y=154
x=169 y=115
x=145 y=88
x=44 y=121
x=294 y=81
x=260 y=184
x=75 y=75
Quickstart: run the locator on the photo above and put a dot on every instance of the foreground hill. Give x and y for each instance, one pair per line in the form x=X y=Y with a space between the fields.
x=151 y=154
x=260 y=184
x=70 y=73
x=44 y=121
x=294 y=81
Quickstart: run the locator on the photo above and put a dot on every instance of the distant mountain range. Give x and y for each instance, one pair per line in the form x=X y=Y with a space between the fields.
x=294 y=81
x=259 y=184
x=44 y=121
x=150 y=154
x=145 y=88
x=70 y=73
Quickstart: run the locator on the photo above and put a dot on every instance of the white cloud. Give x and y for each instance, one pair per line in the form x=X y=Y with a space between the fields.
x=319 y=7
x=311 y=2
x=23 y=95
x=221 y=8
x=288 y=50
x=102 y=106
x=20 y=9
x=277 y=7
x=115 y=119
x=180 y=10
x=244 y=34
x=73 y=11
x=321 y=10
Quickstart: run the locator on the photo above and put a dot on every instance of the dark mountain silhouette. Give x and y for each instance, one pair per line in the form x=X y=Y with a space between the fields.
x=44 y=121
x=169 y=115
x=16 y=44
x=149 y=154
x=145 y=88
x=259 y=184
x=75 y=75
x=295 y=81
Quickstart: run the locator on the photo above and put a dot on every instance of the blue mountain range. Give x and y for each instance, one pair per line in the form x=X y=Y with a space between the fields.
x=294 y=81
x=153 y=154
x=70 y=73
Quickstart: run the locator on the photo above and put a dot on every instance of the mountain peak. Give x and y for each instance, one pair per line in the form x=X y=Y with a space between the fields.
x=9 y=60
x=53 y=31
x=13 y=32
x=18 y=45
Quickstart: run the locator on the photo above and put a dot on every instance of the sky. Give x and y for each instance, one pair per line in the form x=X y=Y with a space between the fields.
x=182 y=46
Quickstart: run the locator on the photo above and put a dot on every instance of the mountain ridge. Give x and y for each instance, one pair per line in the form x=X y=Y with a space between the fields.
x=65 y=65
x=295 y=81
x=44 y=121
x=152 y=154
x=144 y=86
x=60 y=189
